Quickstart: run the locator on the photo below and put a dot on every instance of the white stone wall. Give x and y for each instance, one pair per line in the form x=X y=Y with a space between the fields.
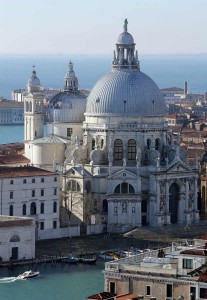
x=22 y=194
x=26 y=245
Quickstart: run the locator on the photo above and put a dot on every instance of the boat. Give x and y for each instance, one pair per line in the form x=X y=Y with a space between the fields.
x=72 y=259
x=88 y=259
x=110 y=255
x=28 y=275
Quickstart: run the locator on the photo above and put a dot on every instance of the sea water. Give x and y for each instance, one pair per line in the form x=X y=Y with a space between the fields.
x=62 y=282
x=165 y=70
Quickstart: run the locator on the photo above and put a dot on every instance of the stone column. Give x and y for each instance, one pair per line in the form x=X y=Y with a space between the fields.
x=181 y=207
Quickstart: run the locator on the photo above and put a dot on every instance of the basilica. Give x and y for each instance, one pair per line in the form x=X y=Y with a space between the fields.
x=120 y=167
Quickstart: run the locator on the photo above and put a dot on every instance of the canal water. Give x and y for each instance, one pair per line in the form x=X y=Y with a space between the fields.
x=58 y=282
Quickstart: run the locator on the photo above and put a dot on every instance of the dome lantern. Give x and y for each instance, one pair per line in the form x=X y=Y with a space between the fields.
x=71 y=81
x=125 y=56
x=33 y=84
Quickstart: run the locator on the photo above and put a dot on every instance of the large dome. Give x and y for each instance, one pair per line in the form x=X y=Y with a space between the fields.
x=125 y=92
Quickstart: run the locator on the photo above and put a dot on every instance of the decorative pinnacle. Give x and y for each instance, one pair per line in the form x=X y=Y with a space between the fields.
x=70 y=66
x=125 y=25
x=33 y=72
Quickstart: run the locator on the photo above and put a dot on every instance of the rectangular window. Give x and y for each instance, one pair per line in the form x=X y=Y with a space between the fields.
x=115 y=210
x=54 y=224
x=33 y=193
x=11 y=195
x=11 y=181
x=193 y=292
x=42 y=192
x=203 y=293
x=112 y=287
x=55 y=191
x=69 y=132
x=169 y=290
x=148 y=290
x=24 y=181
x=33 y=180
x=187 y=263
x=42 y=225
x=55 y=178
x=42 y=179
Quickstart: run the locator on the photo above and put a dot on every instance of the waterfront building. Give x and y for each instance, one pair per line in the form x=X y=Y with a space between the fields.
x=120 y=166
x=31 y=192
x=177 y=272
x=17 y=238
x=11 y=113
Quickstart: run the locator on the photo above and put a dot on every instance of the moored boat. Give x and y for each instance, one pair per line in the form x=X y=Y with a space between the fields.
x=88 y=259
x=72 y=259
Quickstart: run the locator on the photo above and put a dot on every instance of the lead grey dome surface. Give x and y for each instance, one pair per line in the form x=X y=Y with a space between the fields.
x=125 y=38
x=67 y=107
x=123 y=92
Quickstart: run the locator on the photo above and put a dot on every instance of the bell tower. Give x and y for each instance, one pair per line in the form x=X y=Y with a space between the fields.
x=33 y=112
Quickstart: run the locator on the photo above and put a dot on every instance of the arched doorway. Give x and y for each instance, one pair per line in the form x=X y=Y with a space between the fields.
x=173 y=202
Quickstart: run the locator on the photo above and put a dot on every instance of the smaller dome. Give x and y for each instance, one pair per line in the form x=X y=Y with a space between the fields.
x=33 y=84
x=125 y=38
x=66 y=107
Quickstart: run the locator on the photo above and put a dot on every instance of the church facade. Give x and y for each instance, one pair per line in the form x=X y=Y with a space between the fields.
x=119 y=164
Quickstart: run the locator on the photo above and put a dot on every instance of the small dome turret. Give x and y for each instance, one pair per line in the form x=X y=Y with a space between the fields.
x=71 y=81
x=69 y=105
x=33 y=84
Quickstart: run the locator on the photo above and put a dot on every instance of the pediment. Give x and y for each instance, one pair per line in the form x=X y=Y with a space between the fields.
x=124 y=173
x=78 y=172
x=178 y=167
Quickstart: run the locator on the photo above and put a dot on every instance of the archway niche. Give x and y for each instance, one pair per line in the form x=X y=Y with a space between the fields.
x=174 y=202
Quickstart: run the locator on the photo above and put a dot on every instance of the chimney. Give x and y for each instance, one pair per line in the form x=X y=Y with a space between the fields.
x=186 y=88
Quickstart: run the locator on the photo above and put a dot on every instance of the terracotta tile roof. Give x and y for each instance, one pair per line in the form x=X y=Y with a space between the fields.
x=103 y=295
x=194 y=252
x=127 y=297
x=202 y=278
x=12 y=172
x=192 y=152
x=10 y=103
x=15 y=158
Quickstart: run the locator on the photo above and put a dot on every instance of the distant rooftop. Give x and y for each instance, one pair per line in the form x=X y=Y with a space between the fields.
x=12 y=172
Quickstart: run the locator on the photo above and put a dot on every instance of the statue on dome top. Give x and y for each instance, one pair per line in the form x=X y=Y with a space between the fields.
x=125 y=25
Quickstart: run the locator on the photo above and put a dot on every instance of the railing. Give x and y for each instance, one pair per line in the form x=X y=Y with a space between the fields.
x=114 y=266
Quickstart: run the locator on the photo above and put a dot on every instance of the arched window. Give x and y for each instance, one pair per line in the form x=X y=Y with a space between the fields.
x=27 y=106
x=42 y=208
x=124 y=188
x=30 y=106
x=105 y=205
x=93 y=144
x=33 y=209
x=118 y=150
x=24 y=210
x=157 y=144
x=73 y=186
x=148 y=143
x=15 y=238
x=102 y=143
x=132 y=150
x=11 y=210
x=55 y=207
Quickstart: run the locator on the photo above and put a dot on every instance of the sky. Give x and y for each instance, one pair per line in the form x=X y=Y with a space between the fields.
x=92 y=26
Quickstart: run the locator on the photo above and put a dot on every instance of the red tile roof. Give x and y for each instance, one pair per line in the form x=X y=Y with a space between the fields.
x=12 y=172
x=12 y=159
x=194 y=252
x=10 y=103
x=103 y=295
